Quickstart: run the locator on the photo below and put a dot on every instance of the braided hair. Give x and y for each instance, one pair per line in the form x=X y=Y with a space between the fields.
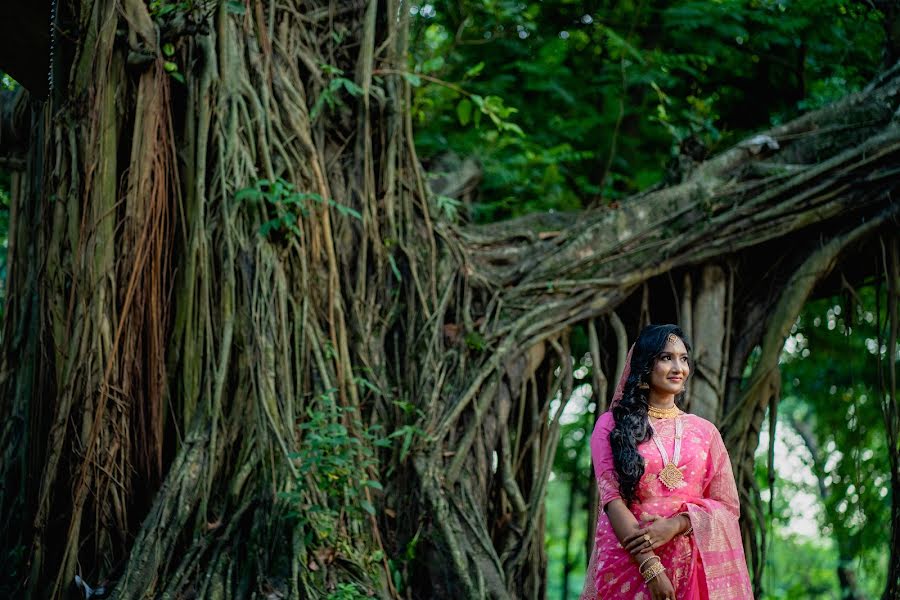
x=630 y=413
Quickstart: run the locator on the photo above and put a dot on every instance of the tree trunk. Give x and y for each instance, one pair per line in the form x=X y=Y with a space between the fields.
x=218 y=289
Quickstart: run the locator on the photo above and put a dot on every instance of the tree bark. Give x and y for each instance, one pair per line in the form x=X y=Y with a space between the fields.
x=711 y=309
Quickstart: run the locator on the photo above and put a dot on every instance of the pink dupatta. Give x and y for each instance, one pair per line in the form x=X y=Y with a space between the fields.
x=709 y=563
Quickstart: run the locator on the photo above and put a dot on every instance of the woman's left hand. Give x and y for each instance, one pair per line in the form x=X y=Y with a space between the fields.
x=659 y=531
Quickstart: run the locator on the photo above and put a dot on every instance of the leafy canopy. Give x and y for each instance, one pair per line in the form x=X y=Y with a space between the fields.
x=569 y=104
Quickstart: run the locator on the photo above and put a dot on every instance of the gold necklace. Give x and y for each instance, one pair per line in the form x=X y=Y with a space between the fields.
x=671 y=475
x=663 y=413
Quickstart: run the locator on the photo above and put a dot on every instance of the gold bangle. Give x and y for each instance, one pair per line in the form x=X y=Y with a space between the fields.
x=690 y=528
x=646 y=560
x=653 y=571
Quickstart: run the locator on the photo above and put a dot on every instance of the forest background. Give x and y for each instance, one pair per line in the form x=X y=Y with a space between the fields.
x=524 y=107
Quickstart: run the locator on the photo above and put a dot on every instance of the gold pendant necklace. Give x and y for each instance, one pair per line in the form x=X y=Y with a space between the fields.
x=663 y=413
x=671 y=476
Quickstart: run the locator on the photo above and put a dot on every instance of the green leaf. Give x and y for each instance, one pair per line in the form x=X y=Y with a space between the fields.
x=512 y=127
x=475 y=341
x=352 y=88
x=168 y=49
x=394 y=267
x=345 y=210
x=165 y=9
x=449 y=206
x=249 y=194
x=464 y=111
x=235 y=7
x=269 y=226
x=413 y=79
x=433 y=64
x=177 y=77
x=475 y=70
x=170 y=67
x=373 y=484
x=362 y=381
x=407 y=442
x=622 y=44
x=330 y=69
x=367 y=506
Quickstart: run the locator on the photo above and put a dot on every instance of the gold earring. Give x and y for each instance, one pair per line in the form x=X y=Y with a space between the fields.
x=643 y=385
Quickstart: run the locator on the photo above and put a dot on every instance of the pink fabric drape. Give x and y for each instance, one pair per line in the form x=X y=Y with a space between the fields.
x=710 y=563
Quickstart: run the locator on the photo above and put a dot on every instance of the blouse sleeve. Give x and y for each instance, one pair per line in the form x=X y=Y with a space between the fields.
x=601 y=454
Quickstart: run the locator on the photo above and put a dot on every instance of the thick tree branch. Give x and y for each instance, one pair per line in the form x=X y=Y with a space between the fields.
x=833 y=162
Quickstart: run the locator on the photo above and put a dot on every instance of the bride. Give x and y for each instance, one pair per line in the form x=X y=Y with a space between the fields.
x=668 y=523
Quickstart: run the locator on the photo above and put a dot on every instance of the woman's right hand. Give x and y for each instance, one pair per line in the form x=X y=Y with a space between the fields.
x=661 y=588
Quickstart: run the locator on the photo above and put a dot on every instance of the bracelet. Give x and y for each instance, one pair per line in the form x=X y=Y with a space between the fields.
x=646 y=560
x=690 y=528
x=652 y=571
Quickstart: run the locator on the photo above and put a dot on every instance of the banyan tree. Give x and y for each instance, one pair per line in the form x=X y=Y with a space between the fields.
x=245 y=356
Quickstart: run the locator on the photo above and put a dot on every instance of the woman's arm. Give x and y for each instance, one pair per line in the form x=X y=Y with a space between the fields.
x=660 y=531
x=625 y=524
x=621 y=519
x=631 y=534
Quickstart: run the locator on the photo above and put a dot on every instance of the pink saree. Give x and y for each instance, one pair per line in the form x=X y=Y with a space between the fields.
x=708 y=564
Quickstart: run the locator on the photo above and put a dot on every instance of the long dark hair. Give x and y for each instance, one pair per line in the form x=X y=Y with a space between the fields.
x=630 y=414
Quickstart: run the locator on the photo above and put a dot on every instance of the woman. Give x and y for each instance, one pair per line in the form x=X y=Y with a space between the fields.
x=668 y=523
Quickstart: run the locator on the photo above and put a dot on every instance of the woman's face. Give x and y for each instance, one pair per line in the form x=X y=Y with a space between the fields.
x=671 y=368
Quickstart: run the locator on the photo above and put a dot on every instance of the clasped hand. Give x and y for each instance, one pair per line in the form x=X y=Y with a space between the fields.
x=658 y=532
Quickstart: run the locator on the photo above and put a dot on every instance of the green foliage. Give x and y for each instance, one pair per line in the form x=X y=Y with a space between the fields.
x=172 y=69
x=288 y=205
x=236 y=7
x=162 y=8
x=336 y=454
x=399 y=564
x=407 y=433
x=347 y=591
x=572 y=473
x=829 y=374
x=331 y=95
x=597 y=96
x=475 y=341
x=7 y=82
x=556 y=503
x=333 y=461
